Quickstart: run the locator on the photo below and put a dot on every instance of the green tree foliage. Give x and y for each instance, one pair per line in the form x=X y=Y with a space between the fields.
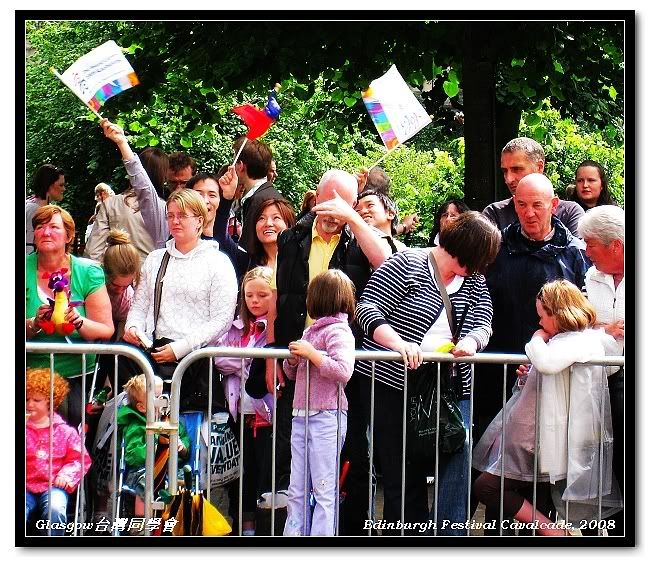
x=59 y=130
x=191 y=78
x=420 y=180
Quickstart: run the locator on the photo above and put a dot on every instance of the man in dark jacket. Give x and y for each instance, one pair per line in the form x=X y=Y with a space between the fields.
x=332 y=235
x=252 y=169
x=535 y=250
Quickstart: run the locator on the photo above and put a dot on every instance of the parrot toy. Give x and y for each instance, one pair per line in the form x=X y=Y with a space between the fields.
x=56 y=322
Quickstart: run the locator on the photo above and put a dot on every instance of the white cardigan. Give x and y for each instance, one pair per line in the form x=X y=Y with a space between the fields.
x=199 y=296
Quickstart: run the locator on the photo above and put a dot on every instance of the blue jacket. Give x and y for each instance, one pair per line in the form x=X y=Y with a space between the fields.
x=521 y=268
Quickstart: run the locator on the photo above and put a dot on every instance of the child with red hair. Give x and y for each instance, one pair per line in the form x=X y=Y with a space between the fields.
x=65 y=472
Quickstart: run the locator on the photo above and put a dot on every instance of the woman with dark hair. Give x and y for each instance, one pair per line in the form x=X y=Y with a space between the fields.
x=123 y=211
x=274 y=215
x=449 y=210
x=402 y=309
x=48 y=184
x=591 y=186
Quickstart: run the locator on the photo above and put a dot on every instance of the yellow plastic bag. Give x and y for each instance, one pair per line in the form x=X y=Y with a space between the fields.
x=195 y=516
x=214 y=524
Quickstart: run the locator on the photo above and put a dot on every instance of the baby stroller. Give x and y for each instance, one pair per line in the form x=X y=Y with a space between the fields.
x=115 y=502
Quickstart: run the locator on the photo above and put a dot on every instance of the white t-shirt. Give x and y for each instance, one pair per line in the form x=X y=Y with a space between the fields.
x=440 y=332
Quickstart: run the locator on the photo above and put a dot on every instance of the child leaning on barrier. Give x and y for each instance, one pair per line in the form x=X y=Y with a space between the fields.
x=331 y=303
x=573 y=407
x=66 y=472
x=249 y=331
x=132 y=421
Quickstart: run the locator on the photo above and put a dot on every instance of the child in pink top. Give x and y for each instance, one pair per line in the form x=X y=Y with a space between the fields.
x=67 y=471
x=331 y=303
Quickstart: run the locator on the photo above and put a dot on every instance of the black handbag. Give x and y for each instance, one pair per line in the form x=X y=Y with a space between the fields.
x=423 y=417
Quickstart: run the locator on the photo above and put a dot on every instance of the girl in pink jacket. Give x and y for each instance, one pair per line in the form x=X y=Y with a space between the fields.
x=249 y=331
x=331 y=303
x=67 y=453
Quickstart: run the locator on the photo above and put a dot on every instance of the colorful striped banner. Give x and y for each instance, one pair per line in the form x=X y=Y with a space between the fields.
x=99 y=75
x=393 y=108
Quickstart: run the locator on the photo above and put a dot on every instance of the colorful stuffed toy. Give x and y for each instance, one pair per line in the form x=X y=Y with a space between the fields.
x=55 y=317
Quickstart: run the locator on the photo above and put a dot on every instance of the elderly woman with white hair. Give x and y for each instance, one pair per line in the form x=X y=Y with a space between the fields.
x=603 y=230
x=102 y=192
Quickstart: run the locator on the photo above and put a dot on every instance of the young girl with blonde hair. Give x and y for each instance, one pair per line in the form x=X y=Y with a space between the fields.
x=249 y=331
x=574 y=420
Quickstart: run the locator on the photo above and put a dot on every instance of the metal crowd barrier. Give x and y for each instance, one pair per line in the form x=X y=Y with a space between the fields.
x=504 y=359
x=171 y=426
x=85 y=349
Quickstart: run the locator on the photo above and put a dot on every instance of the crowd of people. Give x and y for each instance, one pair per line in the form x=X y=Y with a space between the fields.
x=183 y=259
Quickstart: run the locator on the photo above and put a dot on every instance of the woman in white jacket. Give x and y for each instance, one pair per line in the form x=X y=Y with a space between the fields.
x=198 y=295
x=573 y=414
x=603 y=230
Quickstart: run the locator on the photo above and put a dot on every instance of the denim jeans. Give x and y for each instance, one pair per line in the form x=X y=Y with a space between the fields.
x=453 y=473
x=40 y=502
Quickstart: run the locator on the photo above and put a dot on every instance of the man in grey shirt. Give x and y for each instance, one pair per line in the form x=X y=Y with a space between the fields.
x=520 y=157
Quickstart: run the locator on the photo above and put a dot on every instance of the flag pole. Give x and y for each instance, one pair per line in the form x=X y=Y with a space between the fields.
x=56 y=74
x=384 y=156
x=239 y=152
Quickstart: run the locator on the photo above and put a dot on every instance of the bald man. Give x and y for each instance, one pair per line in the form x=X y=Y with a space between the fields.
x=519 y=157
x=331 y=235
x=535 y=250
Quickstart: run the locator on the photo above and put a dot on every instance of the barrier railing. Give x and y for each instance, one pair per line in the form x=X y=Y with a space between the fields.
x=171 y=427
x=117 y=350
x=487 y=358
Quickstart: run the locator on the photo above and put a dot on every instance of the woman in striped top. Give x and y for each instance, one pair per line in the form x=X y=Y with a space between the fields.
x=401 y=309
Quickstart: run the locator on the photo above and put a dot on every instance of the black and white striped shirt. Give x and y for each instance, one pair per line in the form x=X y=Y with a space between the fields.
x=403 y=294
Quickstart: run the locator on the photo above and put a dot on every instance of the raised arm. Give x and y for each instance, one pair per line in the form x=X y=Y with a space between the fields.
x=96 y=245
x=152 y=207
x=374 y=247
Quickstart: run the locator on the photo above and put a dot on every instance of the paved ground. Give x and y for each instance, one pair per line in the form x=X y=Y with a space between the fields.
x=479 y=515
